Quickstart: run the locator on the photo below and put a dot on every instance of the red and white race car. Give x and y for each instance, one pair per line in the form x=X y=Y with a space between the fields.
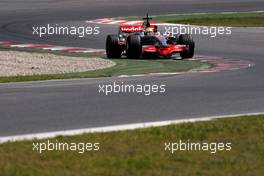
x=145 y=41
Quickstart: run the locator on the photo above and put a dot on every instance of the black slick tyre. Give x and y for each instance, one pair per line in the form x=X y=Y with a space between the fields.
x=134 y=48
x=112 y=48
x=186 y=39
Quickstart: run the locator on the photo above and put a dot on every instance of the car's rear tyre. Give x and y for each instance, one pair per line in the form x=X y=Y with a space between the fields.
x=112 y=48
x=134 y=47
x=186 y=39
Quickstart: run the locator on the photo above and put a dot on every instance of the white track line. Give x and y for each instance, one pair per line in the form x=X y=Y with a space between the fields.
x=115 y=128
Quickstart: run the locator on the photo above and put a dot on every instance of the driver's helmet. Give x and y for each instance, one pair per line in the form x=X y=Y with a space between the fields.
x=149 y=31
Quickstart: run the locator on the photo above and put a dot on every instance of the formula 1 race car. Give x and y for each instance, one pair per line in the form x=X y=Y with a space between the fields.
x=145 y=41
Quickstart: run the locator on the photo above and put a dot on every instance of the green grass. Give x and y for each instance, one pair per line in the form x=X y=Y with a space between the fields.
x=254 y=19
x=141 y=152
x=122 y=67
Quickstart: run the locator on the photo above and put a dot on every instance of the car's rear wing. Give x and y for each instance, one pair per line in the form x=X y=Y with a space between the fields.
x=131 y=29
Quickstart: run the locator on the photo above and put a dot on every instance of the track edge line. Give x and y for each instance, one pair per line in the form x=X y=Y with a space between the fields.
x=114 y=128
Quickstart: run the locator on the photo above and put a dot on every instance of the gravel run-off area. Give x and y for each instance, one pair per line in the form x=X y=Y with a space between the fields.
x=14 y=63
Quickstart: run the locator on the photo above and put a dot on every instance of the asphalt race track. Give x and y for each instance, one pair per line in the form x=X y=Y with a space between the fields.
x=72 y=104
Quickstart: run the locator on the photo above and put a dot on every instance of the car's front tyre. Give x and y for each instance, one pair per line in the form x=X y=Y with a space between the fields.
x=186 y=39
x=134 y=47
